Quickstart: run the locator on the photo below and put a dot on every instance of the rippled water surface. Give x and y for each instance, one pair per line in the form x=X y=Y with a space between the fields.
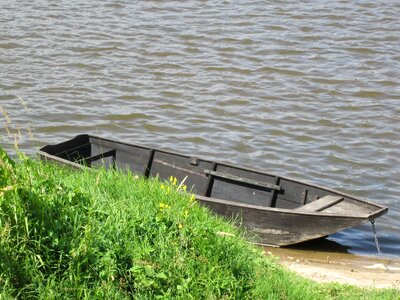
x=307 y=89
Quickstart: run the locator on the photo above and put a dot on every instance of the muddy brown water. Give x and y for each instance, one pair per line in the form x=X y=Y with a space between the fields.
x=307 y=89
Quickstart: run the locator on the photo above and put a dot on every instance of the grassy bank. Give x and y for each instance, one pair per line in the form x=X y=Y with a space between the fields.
x=68 y=234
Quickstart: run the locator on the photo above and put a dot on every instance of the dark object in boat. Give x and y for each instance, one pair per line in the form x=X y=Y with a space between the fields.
x=280 y=211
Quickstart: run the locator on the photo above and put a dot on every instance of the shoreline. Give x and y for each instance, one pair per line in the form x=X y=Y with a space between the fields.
x=109 y=234
x=343 y=268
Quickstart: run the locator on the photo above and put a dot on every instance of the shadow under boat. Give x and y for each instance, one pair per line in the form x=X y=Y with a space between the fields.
x=322 y=244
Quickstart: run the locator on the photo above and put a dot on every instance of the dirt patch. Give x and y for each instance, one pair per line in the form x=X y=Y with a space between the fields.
x=341 y=267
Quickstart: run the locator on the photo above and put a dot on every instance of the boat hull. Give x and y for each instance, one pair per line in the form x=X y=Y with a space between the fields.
x=274 y=227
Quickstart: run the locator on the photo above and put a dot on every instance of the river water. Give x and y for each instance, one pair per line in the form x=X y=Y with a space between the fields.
x=306 y=89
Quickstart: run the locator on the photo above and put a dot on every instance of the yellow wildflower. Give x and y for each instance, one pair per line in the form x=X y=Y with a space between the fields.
x=181 y=187
x=192 y=198
x=173 y=180
x=164 y=206
x=180 y=226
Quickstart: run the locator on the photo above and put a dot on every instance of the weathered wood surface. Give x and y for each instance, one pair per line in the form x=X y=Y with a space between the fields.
x=243 y=180
x=277 y=227
x=320 y=204
x=278 y=210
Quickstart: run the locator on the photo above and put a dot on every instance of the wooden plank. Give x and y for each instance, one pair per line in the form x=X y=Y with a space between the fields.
x=305 y=193
x=166 y=164
x=66 y=146
x=239 y=192
x=244 y=180
x=280 y=227
x=320 y=204
x=149 y=163
x=210 y=181
x=272 y=200
x=66 y=152
x=292 y=192
x=93 y=158
x=282 y=203
x=136 y=160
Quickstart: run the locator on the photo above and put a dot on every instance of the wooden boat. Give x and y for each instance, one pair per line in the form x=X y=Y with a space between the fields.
x=279 y=210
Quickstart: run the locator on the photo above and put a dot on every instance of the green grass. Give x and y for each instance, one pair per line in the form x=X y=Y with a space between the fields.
x=98 y=234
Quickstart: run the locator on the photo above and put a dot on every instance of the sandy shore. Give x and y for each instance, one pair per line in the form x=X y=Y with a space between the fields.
x=340 y=267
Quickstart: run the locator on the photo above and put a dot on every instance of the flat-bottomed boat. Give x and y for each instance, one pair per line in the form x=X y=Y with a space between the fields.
x=279 y=211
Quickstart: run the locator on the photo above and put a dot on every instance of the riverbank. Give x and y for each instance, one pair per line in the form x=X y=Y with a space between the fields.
x=114 y=235
x=344 y=268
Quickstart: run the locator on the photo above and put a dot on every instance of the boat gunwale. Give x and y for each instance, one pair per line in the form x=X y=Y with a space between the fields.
x=380 y=208
x=365 y=217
